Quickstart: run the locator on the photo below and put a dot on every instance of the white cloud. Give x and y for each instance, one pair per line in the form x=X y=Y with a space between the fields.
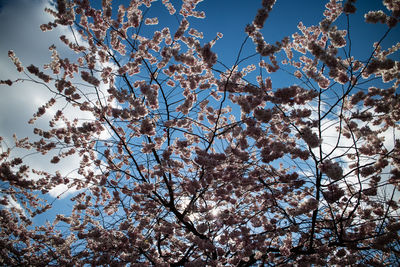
x=20 y=20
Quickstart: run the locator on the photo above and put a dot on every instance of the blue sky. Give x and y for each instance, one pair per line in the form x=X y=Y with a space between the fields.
x=19 y=28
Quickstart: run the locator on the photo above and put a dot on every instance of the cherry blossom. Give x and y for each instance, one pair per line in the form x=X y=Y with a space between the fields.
x=189 y=161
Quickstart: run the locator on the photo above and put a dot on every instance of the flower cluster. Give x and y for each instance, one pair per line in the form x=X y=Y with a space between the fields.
x=349 y=7
x=292 y=95
x=331 y=169
x=376 y=66
x=188 y=7
x=263 y=12
x=151 y=21
x=375 y=17
x=333 y=194
x=181 y=30
x=310 y=137
x=89 y=78
x=306 y=206
x=209 y=57
x=151 y=94
x=15 y=60
x=34 y=70
x=8 y=82
x=337 y=37
x=263 y=115
x=147 y=127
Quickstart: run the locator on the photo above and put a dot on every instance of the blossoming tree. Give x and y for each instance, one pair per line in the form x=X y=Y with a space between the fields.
x=207 y=164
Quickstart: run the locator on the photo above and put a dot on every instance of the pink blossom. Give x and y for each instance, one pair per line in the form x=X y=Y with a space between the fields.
x=333 y=194
x=15 y=60
x=298 y=74
x=209 y=57
x=8 y=82
x=34 y=70
x=337 y=38
x=263 y=115
x=89 y=78
x=310 y=137
x=151 y=21
x=375 y=16
x=262 y=13
x=342 y=78
x=147 y=127
x=331 y=169
x=181 y=30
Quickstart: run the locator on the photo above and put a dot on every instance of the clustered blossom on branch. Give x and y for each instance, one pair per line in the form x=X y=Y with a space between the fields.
x=309 y=137
x=8 y=82
x=89 y=78
x=15 y=60
x=262 y=13
x=331 y=169
x=34 y=70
